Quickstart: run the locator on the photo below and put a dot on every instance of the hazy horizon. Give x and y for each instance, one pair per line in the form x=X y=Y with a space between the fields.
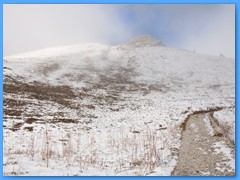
x=203 y=28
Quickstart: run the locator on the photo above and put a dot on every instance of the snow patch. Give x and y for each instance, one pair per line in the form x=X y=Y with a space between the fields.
x=229 y=163
x=208 y=125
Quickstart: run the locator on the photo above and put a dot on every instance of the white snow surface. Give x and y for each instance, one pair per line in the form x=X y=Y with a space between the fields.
x=165 y=86
x=208 y=125
x=229 y=163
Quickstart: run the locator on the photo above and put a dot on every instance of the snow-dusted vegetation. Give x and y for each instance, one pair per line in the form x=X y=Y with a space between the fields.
x=108 y=110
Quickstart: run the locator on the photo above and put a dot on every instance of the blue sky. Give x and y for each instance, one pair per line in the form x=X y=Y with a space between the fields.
x=206 y=29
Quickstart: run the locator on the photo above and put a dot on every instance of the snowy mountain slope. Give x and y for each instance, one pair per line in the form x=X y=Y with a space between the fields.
x=106 y=92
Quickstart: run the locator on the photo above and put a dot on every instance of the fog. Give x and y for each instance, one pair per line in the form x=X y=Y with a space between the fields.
x=206 y=29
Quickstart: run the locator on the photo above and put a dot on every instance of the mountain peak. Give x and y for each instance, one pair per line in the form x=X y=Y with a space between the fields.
x=145 y=41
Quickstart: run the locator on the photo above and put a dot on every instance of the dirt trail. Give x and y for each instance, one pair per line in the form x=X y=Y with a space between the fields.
x=203 y=150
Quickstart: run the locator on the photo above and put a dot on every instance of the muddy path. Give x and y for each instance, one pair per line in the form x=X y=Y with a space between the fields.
x=204 y=151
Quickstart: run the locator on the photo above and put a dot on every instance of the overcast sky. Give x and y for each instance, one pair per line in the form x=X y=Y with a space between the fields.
x=206 y=28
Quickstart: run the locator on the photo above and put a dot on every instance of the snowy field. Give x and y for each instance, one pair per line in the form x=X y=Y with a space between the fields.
x=108 y=110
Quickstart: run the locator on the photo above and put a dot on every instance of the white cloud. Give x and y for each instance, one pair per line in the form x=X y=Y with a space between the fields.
x=206 y=28
x=29 y=27
x=218 y=35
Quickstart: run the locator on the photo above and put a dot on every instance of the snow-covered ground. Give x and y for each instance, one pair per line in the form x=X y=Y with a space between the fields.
x=107 y=110
x=226 y=120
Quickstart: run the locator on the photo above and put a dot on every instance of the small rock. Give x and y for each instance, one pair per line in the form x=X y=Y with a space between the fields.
x=136 y=132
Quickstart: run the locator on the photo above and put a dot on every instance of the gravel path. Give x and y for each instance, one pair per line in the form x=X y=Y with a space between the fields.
x=203 y=150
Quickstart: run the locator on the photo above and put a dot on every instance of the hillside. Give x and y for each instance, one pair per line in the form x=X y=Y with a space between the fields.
x=96 y=109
